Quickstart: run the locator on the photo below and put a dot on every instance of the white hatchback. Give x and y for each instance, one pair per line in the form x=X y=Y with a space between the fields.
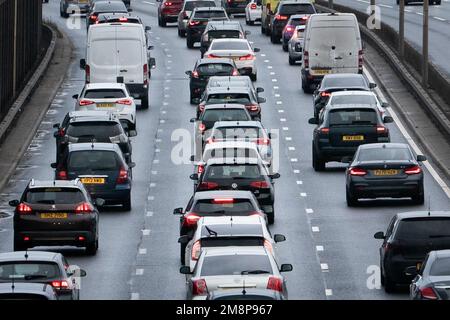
x=253 y=12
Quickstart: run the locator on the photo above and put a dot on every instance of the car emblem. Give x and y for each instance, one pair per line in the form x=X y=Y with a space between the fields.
x=234 y=185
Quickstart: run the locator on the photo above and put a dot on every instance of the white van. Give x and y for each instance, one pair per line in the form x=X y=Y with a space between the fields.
x=117 y=52
x=332 y=45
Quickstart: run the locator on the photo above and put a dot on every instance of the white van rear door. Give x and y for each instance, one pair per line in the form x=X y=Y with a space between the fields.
x=130 y=60
x=103 y=60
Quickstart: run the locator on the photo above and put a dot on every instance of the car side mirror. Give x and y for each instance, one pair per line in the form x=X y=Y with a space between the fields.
x=130 y=10
x=53 y=165
x=261 y=100
x=185 y=270
x=83 y=64
x=421 y=158
x=132 y=165
x=247 y=33
x=269 y=135
x=132 y=133
x=99 y=202
x=56 y=126
x=14 y=203
x=372 y=85
x=183 y=239
x=151 y=47
x=286 y=267
x=178 y=211
x=379 y=235
x=189 y=73
x=75 y=96
x=194 y=176
x=147 y=28
x=193 y=120
x=313 y=121
x=411 y=271
x=346 y=159
x=256 y=49
x=192 y=158
x=275 y=176
x=279 y=238
x=259 y=90
x=385 y=104
x=388 y=119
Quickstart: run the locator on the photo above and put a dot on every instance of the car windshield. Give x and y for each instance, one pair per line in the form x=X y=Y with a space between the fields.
x=209 y=14
x=238 y=98
x=54 y=195
x=353 y=117
x=93 y=160
x=232 y=171
x=93 y=129
x=217 y=34
x=298 y=8
x=28 y=271
x=235 y=264
x=230 y=45
x=384 y=154
x=238 y=133
x=440 y=267
x=343 y=82
x=423 y=228
x=353 y=100
x=190 y=5
x=225 y=115
x=210 y=69
x=235 y=207
x=104 y=93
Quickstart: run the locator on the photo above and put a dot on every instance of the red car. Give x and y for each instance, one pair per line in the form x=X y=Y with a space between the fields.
x=168 y=11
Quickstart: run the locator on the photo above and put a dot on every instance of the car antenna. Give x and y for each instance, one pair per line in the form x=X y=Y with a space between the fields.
x=429 y=205
x=26 y=254
x=243 y=288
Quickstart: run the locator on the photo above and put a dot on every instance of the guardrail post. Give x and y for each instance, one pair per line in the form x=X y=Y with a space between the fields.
x=401 y=30
x=425 y=44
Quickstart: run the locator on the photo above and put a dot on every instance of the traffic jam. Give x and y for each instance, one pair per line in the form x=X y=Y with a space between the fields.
x=227 y=247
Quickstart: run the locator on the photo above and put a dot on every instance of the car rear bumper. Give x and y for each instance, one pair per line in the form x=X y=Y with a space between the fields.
x=315 y=79
x=396 y=188
x=336 y=153
x=137 y=90
x=395 y=269
x=117 y=196
x=56 y=238
x=254 y=15
x=195 y=34
x=76 y=8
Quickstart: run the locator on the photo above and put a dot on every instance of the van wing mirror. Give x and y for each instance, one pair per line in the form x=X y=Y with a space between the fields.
x=372 y=85
x=388 y=119
x=14 y=203
x=83 y=64
x=379 y=235
x=411 y=271
x=279 y=238
x=313 y=121
x=178 y=211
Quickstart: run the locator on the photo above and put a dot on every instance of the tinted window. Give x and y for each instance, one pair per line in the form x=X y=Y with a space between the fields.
x=239 y=133
x=354 y=99
x=429 y=228
x=215 y=68
x=209 y=14
x=374 y=154
x=225 y=115
x=440 y=267
x=238 y=98
x=234 y=264
x=233 y=241
x=297 y=9
x=230 y=153
x=93 y=160
x=247 y=171
x=91 y=129
x=353 y=116
x=217 y=34
x=104 y=93
x=194 y=4
x=209 y=206
x=54 y=196
x=28 y=271
x=343 y=82
x=230 y=45
x=235 y=230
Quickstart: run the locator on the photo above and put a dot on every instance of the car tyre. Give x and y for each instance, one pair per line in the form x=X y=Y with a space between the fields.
x=183 y=253
x=144 y=102
x=127 y=204
x=270 y=212
x=306 y=86
x=285 y=47
x=317 y=163
x=91 y=248
x=352 y=201
x=189 y=42
x=273 y=38
x=253 y=77
x=389 y=285
x=291 y=61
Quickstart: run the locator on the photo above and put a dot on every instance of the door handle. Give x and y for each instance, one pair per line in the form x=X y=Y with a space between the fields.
x=338 y=58
x=123 y=70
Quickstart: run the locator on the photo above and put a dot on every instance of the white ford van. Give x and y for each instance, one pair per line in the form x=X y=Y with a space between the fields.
x=117 y=52
x=332 y=44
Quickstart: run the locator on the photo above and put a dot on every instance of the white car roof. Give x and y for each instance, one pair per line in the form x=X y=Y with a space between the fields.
x=231 y=144
x=228 y=251
x=105 y=85
x=210 y=221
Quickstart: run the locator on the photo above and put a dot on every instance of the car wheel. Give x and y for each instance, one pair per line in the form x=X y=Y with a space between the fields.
x=285 y=47
x=273 y=38
x=270 y=212
x=419 y=199
x=246 y=21
x=181 y=33
x=127 y=204
x=162 y=22
x=91 y=248
x=263 y=30
x=317 y=162
x=389 y=285
x=189 y=42
x=306 y=86
x=19 y=246
x=253 y=77
x=351 y=200
x=144 y=102
x=64 y=14
x=183 y=253
x=291 y=61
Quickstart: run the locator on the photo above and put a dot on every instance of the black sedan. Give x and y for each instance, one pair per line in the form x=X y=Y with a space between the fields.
x=432 y=281
x=385 y=170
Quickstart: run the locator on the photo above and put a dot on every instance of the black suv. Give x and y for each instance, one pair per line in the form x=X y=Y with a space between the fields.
x=240 y=174
x=101 y=168
x=91 y=126
x=235 y=6
x=342 y=129
x=219 y=30
x=410 y=236
x=101 y=7
x=199 y=19
x=55 y=213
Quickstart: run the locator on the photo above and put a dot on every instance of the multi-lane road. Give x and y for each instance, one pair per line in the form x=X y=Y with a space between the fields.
x=330 y=245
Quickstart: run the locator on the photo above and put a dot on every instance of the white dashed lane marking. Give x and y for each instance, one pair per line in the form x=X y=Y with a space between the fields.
x=296 y=171
x=309 y=210
x=319 y=248
x=324 y=267
x=139 y=272
x=146 y=232
x=135 y=296
x=303 y=194
x=142 y=251
x=328 y=292
x=315 y=229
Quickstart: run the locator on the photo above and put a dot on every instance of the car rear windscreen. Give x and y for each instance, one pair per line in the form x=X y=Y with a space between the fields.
x=96 y=160
x=230 y=45
x=225 y=115
x=28 y=271
x=237 y=98
x=241 y=172
x=54 y=195
x=219 y=34
x=354 y=100
x=297 y=8
x=238 y=133
x=235 y=207
x=424 y=228
x=209 y=14
x=384 y=154
x=190 y=5
x=230 y=153
x=236 y=264
x=232 y=241
x=93 y=129
x=440 y=267
x=343 y=82
x=353 y=117
x=211 y=69
x=104 y=93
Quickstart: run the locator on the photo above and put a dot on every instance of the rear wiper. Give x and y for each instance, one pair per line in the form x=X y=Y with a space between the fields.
x=218 y=211
x=211 y=232
x=254 y=272
x=46 y=202
x=35 y=276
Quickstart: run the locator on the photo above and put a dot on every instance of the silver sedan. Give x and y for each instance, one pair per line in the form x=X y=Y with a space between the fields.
x=295 y=45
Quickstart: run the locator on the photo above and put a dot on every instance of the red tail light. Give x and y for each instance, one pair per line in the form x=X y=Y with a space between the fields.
x=23 y=208
x=201 y=127
x=428 y=293
x=86 y=102
x=199 y=287
x=253 y=6
x=275 y=283
x=127 y=102
x=247 y=57
x=62 y=175
x=194 y=74
x=212 y=56
x=306 y=59
x=357 y=172
x=194 y=23
x=207 y=185
x=268 y=246
x=196 y=250
x=325 y=130
x=200 y=169
x=252 y=107
x=58 y=284
x=263 y=141
x=223 y=200
x=413 y=170
x=288 y=29
x=26 y=238
x=123 y=19
x=235 y=72
x=281 y=17
x=305 y=18
x=259 y=184
x=360 y=59
x=325 y=94
x=85 y=207
x=201 y=107
x=61 y=132
x=87 y=69
x=190 y=219
x=145 y=69
x=123 y=176
x=93 y=18
x=381 y=129
x=168 y=4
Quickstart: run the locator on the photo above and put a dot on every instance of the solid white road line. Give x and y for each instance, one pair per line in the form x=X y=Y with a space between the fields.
x=319 y=248
x=440 y=19
x=135 y=296
x=328 y=292
x=315 y=229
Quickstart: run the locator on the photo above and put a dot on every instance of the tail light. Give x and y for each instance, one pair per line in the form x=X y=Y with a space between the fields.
x=253 y=6
x=389 y=247
x=85 y=207
x=229 y=1
x=196 y=250
x=145 y=69
x=23 y=208
x=275 y=283
x=60 y=284
x=194 y=74
x=190 y=220
x=325 y=130
x=252 y=107
x=26 y=238
x=207 y=185
x=212 y=56
x=86 y=102
x=288 y=29
x=201 y=127
x=123 y=176
x=413 y=170
x=357 y=172
x=259 y=184
x=62 y=175
x=199 y=287
x=247 y=57
x=123 y=19
x=127 y=102
x=61 y=132
x=200 y=169
x=281 y=17
x=93 y=18
x=201 y=107
x=428 y=293
x=381 y=129
x=194 y=23
x=268 y=246
x=223 y=200
x=210 y=140
x=235 y=72
x=87 y=69
x=360 y=59
x=263 y=141
x=305 y=18
x=325 y=94
x=306 y=59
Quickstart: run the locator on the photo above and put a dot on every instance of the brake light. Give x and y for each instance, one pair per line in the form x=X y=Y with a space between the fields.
x=263 y=141
x=145 y=69
x=85 y=207
x=201 y=127
x=199 y=287
x=127 y=102
x=428 y=293
x=252 y=107
x=194 y=74
x=23 y=208
x=223 y=200
x=268 y=246
x=360 y=59
x=325 y=130
x=247 y=57
x=93 y=17
x=413 y=170
x=306 y=59
x=253 y=6
x=61 y=132
x=207 y=185
x=196 y=250
x=288 y=29
x=259 y=184
x=201 y=107
x=190 y=220
x=26 y=238
x=381 y=129
x=194 y=23
x=212 y=56
x=87 y=69
x=123 y=176
x=58 y=284
x=281 y=17
x=305 y=18
x=357 y=172
x=62 y=175
x=200 y=169
x=325 y=94
x=210 y=140
x=257 y=214
x=275 y=283
x=168 y=4
x=123 y=19
x=235 y=72
x=86 y=102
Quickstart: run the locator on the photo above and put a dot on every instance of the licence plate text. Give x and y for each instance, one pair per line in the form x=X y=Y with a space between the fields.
x=352 y=138
x=93 y=180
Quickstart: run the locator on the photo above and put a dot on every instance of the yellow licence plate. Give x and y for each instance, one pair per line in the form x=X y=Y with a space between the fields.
x=106 y=105
x=54 y=215
x=321 y=71
x=93 y=180
x=352 y=138
x=389 y=172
